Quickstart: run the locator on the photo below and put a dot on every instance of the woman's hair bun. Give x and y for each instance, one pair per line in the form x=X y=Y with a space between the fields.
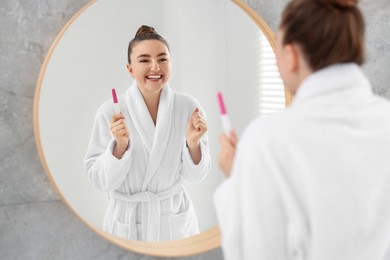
x=342 y=3
x=144 y=29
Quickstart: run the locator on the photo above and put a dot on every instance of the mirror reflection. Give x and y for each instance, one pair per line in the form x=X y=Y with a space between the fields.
x=213 y=46
x=143 y=144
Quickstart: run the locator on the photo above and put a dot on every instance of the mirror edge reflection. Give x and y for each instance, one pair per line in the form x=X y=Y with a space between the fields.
x=206 y=240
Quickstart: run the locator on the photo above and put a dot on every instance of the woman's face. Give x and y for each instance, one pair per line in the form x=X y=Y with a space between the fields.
x=150 y=65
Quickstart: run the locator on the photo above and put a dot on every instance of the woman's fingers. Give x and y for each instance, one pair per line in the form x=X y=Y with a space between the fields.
x=226 y=154
x=197 y=121
x=118 y=126
x=117 y=117
x=225 y=142
x=195 y=113
x=196 y=127
x=200 y=126
x=233 y=138
x=118 y=123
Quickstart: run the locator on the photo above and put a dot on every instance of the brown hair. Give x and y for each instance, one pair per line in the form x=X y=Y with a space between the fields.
x=327 y=31
x=144 y=33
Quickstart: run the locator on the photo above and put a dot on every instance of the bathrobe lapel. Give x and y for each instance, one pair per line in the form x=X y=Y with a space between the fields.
x=155 y=138
x=161 y=135
x=140 y=116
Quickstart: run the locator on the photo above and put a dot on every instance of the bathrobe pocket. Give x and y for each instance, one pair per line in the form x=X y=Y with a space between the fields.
x=121 y=230
x=124 y=230
x=181 y=225
x=184 y=223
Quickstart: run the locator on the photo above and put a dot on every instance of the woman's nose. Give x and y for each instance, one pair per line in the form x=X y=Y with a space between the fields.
x=155 y=66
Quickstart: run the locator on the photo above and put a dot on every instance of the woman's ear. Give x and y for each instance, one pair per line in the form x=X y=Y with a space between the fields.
x=130 y=69
x=292 y=58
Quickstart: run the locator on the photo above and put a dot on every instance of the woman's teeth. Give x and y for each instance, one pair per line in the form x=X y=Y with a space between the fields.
x=154 y=77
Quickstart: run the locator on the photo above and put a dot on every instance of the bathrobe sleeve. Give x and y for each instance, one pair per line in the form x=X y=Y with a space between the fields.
x=104 y=170
x=249 y=207
x=196 y=172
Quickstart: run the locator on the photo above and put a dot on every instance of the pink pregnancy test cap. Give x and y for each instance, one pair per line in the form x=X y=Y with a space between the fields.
x=221 y=103
x=114 y=97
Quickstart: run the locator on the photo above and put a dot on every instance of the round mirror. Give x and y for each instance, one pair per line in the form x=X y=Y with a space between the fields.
x=215 y=46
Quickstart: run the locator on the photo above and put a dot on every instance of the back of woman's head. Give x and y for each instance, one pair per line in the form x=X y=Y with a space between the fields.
x=327 y=31
x=144 y=33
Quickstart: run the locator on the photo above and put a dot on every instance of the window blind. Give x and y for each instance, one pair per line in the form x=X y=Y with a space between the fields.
x=271 y=89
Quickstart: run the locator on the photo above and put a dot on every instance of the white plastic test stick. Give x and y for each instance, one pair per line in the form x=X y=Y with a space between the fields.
x=115 y=100
x=227 y=126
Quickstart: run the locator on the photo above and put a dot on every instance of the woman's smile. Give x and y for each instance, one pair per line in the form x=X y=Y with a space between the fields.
x=154 y=77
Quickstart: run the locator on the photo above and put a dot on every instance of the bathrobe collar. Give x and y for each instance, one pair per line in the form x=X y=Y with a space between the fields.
x=155 y=138
x=338 y=77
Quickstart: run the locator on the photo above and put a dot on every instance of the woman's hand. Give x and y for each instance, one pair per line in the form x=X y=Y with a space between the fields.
x=121 y=134
x=196 y=128
x=226 y=154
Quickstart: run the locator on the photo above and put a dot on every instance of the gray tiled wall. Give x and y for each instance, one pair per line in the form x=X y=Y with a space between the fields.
x=34 y=223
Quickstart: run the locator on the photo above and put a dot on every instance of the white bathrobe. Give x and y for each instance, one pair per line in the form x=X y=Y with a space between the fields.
x=312 y=182
x=147 y=200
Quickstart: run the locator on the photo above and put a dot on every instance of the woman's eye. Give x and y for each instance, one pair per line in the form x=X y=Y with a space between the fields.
x=164 y=60
x=143 y=60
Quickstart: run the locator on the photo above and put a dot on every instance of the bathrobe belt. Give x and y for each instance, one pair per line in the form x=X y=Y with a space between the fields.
x=153 y=199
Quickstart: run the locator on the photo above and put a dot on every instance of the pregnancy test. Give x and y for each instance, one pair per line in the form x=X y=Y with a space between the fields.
x=115 y=100
x=227 y=126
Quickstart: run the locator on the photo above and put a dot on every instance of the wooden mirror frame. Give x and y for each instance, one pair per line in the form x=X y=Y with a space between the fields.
x=205 y=241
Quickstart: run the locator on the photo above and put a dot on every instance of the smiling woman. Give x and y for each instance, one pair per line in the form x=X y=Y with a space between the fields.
x=142 y=155
x=214 y=46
